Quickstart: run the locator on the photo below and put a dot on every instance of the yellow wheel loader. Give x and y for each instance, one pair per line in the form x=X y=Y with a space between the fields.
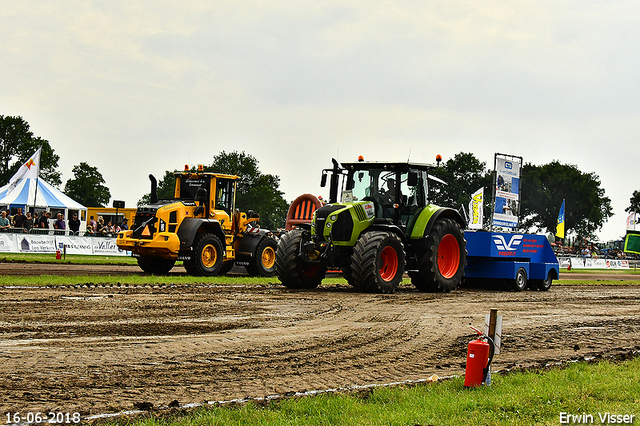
x=201 y=227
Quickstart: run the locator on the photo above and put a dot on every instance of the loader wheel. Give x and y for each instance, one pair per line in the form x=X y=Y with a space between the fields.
x=263 y=261
x=156 y=265
x=377 y=262
x=520 y=282
x=441 y=258
x=292 y=271
x=207 y=256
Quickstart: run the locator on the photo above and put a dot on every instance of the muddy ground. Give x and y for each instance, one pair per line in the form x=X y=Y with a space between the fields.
x=95 y=350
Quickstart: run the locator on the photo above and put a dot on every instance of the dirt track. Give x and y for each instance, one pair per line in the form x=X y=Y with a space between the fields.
x=99 y=350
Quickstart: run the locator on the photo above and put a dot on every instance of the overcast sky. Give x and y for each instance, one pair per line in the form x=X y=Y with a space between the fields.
x=142 y=87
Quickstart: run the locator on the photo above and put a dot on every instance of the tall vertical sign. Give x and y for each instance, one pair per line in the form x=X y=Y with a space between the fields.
x=506 y=207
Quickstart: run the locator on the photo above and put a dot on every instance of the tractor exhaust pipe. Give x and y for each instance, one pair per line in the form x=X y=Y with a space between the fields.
x=153 y=198
x=335 y=180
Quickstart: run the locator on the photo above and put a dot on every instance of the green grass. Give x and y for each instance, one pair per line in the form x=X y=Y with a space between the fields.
x=525 y=398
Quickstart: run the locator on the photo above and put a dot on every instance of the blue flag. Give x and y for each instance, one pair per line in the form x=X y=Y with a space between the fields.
x=560 y=227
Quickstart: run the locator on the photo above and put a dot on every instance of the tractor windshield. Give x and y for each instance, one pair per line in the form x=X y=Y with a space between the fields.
x=395 y=193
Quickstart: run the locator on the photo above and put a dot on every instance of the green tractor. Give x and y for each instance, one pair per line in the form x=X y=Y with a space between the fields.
x=383 y=227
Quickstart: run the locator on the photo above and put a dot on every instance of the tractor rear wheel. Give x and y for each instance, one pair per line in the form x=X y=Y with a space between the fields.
x=156 y=265
x=292 y=271
x=207 y=256
x=377 y=262
x=441 y=258
x=263 y=261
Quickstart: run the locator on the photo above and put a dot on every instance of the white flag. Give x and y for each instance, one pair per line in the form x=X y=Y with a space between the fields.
x=475 y=209
x=29 y=169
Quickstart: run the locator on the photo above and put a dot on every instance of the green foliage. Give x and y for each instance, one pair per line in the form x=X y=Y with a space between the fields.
x=464 y=174
x=544 y=188
x=18 y=144
x=255 y=191
x=634 y=203
x=87 y=186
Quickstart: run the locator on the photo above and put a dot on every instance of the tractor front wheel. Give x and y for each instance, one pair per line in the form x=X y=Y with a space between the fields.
x=207 y=256
x=290 y=269
x=441 y=258
x=377 y=262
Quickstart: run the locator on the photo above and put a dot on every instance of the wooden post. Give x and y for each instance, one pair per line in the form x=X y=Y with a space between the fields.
x=493 y=317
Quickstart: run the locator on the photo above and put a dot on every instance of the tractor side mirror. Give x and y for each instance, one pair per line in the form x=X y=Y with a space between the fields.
x=323 y=180
x=412 y=180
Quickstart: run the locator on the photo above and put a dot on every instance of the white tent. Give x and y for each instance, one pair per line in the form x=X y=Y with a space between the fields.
x=31 y=192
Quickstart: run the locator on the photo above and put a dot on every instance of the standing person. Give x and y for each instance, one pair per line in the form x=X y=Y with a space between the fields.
x=19 y=219
x=60 y=223
x=4 y=222
x=93 y=224
x=125 y=224
x=44 y=220
x=74 y=224
x=28 y=223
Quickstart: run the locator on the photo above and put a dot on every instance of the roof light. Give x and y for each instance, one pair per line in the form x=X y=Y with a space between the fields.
x=186 y=167
x=200 y=168
x=360 y=158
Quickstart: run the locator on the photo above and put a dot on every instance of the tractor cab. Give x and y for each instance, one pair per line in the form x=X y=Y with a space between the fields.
x=398 y=191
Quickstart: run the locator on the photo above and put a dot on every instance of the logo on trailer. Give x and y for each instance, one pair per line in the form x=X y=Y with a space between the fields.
x=502 y=245
x=508 y=165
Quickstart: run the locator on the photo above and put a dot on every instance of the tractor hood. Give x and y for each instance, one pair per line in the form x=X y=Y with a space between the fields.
x=342 y=223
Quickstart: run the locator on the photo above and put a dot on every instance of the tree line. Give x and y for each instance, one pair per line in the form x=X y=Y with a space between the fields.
x=544 y=187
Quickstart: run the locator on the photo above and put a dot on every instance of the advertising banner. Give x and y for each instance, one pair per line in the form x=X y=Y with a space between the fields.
x=36 y=243
x=8 y=243
x=475 y=209
x=507 y=191
x=75 y=245
x=106 y=247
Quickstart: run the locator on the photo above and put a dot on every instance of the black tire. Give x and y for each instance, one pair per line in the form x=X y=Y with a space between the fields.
x=226 y=267
x=348 y=275
x=263 y=261
x=207 y=256
x=291 y=271
x=156 y=265
x=441 y=258
x=377 y=262
x=520 y=281
x=543 y=285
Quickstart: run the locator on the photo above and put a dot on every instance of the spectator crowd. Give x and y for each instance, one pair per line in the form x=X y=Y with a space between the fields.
x=41 y=222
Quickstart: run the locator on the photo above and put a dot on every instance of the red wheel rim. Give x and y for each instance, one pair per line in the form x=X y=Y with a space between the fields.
x=448 y=256
x=389 y=266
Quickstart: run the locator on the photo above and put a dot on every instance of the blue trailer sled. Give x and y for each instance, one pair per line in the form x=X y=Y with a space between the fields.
x=517 y=260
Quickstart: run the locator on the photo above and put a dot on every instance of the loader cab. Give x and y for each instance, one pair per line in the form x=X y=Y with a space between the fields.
x=214 y=195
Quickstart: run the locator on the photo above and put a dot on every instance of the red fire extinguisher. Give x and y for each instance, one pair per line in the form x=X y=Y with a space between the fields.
x=479 y=357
